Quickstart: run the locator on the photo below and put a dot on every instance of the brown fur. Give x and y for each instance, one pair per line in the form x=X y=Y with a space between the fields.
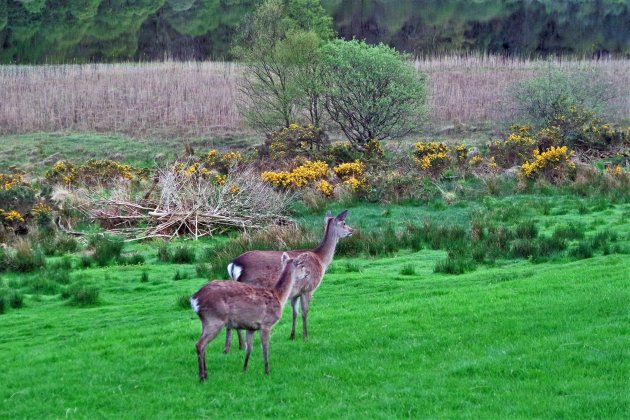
x=243 y=306
x=260 y=268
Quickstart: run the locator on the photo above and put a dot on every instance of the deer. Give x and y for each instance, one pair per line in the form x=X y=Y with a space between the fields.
x=239 y=305
x=259 y=268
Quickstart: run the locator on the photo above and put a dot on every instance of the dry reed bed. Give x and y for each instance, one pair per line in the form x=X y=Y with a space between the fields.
x=170 y=98
x=198 y=98
x=475 y=89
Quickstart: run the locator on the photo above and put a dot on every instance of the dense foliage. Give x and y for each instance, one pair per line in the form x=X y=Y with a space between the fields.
x=371 y=92
x=46 y=31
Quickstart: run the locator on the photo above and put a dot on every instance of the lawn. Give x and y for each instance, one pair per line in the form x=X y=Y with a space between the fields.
x=388 y=337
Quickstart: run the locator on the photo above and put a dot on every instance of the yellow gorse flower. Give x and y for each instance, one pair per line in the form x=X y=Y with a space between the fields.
x=350 y=169
x=10 y=181
x=12 y=216
x=325 y=187
x=553 y=157
x=41 y=208
x=299 y=177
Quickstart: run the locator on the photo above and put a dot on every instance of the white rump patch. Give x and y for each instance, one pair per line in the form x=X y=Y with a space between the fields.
x=194 y=304
x=234 y=271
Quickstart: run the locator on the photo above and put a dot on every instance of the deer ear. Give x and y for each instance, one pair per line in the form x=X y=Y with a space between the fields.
x=285 y=258
x=342 y=215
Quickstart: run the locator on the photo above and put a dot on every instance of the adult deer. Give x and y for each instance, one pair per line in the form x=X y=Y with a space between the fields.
x=260 y=268
x=240 y=305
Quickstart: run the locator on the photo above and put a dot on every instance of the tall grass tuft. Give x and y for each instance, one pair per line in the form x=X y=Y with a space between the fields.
x=82 y=295
x=107 y=249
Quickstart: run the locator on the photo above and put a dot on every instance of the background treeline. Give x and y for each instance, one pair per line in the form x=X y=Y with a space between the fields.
x=38 y=31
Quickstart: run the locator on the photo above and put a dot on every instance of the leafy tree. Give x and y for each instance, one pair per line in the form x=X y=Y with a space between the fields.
x=372 y=91
x=279 y=46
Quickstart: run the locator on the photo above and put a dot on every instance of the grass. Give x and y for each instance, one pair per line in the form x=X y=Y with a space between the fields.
x=389 y=336
x=511 y=341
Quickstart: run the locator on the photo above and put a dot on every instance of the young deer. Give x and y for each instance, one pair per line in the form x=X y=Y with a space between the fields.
x=260 y=268
x=240 y=305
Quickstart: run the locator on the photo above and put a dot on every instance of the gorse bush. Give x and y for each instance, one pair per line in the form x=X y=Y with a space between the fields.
x=553 y=164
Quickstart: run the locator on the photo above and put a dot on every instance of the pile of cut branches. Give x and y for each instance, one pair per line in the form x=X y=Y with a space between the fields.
x=184 y=203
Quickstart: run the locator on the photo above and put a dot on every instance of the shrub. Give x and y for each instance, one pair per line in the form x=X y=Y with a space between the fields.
x=299 y=177
x=553 y=164
x=514 y=150
x=144 y=277
x=296 y=140
x=540 y=99
x=3 y=304
x=432 y=158
x=371 y=91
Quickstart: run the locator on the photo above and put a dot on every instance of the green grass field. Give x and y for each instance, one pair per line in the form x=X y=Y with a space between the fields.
x=37 y=152
x=388 y=336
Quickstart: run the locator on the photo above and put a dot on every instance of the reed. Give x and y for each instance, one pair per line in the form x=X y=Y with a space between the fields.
x=192 y=99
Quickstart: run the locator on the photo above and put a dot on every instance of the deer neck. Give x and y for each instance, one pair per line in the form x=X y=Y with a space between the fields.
x=326 y=249
x=284 y=284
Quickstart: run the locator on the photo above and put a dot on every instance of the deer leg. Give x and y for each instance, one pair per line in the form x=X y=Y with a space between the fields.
x=265 y=345
x=210 y=329
x=294 y=303
x=305 y=300
x=228 y=340
x=241 y=343
x=249 y=336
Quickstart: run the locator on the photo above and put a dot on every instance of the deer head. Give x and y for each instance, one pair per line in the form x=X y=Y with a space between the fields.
x=298 y=265
x=337 y=225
